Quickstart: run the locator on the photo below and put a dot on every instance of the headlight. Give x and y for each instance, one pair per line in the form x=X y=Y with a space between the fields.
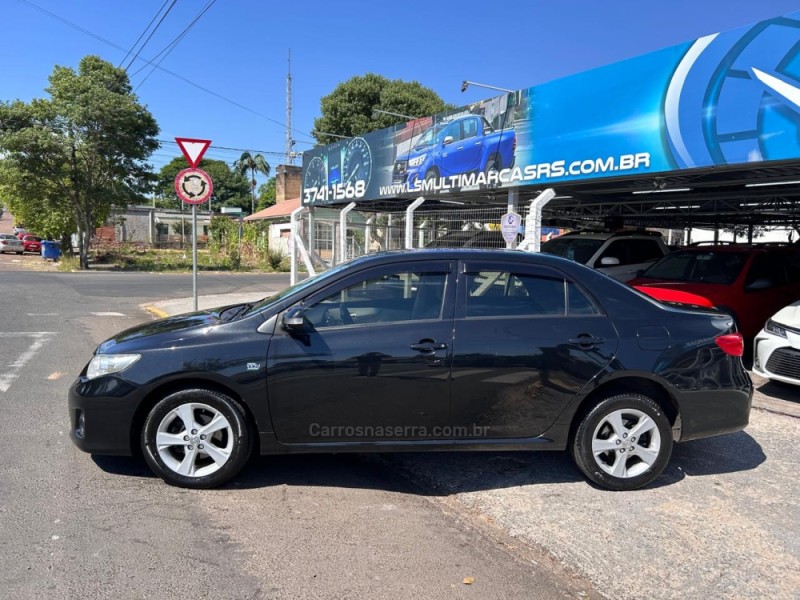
x=775 y=328
x=415 y=162
x=104 y=364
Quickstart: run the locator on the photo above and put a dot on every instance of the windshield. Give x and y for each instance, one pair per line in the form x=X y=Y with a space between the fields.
x=426 y=139
x=699 y=267
x=578 y=249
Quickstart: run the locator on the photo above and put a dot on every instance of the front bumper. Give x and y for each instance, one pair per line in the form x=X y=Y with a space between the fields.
x=102 y=413
x=777 y=358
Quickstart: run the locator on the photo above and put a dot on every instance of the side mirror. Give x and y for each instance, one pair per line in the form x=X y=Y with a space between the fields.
x=609 y=261
x=448 y=140
x=293 y=319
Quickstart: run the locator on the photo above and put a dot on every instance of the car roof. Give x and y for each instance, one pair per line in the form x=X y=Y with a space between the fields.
x=741 y=248
x=460 y=253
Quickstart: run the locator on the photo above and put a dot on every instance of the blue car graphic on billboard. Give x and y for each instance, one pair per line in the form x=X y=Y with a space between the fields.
x=463 y=145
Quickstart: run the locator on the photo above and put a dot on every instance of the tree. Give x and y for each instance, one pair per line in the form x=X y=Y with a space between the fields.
x=230 y=188
x=253 y=163
x=80 y=151
x=348 y=110
x=266 y=194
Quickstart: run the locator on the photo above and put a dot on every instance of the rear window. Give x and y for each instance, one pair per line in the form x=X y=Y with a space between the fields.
x=699 y=267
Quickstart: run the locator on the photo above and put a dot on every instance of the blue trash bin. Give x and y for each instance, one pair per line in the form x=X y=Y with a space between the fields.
x=51 y=250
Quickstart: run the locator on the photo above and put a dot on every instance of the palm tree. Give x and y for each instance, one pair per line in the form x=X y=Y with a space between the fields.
x=252 y=163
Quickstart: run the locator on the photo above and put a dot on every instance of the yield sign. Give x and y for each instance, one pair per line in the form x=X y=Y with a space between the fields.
x=193 y=149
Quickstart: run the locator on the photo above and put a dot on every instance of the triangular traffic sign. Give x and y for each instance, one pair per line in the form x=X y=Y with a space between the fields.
x=193 y=149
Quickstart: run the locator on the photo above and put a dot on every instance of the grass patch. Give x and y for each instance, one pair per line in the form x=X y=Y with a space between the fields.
x=181 y=260
x=68 y=264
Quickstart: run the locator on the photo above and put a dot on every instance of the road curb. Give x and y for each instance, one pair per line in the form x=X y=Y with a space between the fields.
x=156 y=312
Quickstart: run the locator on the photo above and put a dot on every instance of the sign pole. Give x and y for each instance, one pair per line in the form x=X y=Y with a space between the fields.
x=194 y=254
x=194 y=186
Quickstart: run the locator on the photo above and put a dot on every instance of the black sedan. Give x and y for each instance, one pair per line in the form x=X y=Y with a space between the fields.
x=430 y=349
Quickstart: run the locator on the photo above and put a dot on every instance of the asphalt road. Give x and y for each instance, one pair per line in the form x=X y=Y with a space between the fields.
x=344 y=526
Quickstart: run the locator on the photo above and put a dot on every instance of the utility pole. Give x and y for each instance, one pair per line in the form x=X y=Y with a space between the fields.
x=288 y=150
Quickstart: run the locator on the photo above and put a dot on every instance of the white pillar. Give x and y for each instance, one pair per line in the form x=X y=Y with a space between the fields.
x=343 y=231
x=533 y=221
x=410 y=222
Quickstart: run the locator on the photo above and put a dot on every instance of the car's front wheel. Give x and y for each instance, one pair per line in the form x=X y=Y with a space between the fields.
x=624 y=442
x=196 y=438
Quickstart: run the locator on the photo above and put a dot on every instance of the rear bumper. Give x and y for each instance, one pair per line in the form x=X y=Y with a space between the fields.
x=708 y=413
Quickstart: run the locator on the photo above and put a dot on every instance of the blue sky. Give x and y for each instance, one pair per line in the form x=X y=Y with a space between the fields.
x=238 y=50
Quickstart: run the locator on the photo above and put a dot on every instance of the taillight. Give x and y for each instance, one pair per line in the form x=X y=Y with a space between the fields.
x=731 y=343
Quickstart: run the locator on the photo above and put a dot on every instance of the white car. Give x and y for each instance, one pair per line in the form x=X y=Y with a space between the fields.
x=11 y=243
x=776 y=348
x=621 y=254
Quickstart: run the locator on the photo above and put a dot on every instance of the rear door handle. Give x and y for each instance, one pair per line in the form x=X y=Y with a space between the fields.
x=586 y=341
x=428 y=347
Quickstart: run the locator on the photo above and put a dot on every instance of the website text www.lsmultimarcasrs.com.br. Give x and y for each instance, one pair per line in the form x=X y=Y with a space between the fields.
x=548 y=170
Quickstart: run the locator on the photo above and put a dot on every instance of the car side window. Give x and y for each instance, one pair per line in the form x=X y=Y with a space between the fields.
x=470 y=128
x=645 y=250
x=578 y=303
x=619 y=249
x=503 y=294
x=792 y=263
x=765 y=272
x=453 y=131
x=389 y=298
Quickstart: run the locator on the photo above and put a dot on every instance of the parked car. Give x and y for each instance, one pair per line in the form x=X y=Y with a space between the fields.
x=464 y=145
x=750 y=282
x=10 y=243
x=32 y=243
x=776 y=348
x=620 y=254
x=18 y=229
x=427 y=349
x=469 y=239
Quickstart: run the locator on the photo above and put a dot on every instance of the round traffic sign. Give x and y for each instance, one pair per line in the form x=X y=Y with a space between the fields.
x=193 y=186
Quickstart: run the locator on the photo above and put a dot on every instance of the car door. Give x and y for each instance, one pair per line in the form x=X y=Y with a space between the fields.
x=464 y=154
x=527 y=339
x=372 y=360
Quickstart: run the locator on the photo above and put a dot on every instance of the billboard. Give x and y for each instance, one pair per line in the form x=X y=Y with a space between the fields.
x=730 y=98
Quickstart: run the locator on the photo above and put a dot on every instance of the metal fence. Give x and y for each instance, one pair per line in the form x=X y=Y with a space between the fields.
x=372 y=231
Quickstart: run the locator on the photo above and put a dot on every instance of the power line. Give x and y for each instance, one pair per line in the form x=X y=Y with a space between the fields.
x=173 y=44
x=199 y=87
x=164 y=16
x=155 y=16
x=230 y=149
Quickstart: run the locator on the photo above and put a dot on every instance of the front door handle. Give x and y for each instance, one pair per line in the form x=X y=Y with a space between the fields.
x=586 y=341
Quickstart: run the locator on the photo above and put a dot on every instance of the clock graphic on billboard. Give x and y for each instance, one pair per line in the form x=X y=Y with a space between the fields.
x=316 y=175
x=357 y=162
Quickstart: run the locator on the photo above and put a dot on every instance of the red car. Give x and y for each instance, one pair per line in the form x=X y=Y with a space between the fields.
x=32 y=243
x=750 y=282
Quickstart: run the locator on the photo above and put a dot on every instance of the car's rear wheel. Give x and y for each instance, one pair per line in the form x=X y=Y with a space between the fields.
x=196 y=438
x=623 y=443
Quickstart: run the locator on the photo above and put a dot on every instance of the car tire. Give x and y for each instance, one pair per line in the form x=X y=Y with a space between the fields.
x=19 y=253
x=623 y=443
x=174 y=445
